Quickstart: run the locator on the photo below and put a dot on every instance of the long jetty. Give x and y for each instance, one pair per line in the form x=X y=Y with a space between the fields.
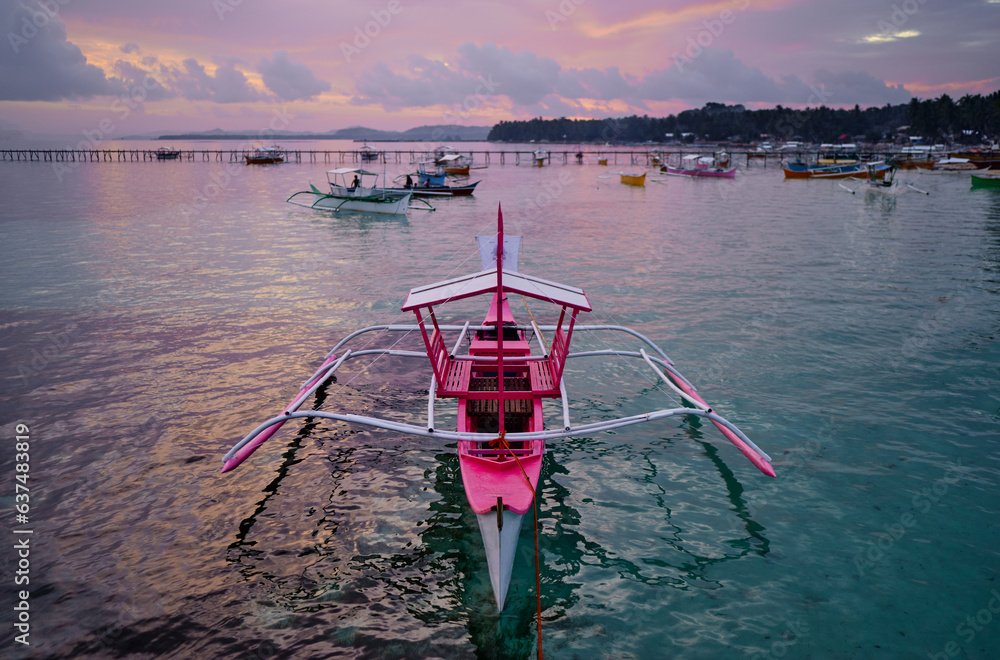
x=484 y=157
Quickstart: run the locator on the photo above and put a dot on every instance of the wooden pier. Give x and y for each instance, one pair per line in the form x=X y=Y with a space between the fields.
x=623 y=156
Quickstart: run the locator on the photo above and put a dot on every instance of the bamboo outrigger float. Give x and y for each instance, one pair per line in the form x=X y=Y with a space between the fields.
x=499 y=384
x=362 y=194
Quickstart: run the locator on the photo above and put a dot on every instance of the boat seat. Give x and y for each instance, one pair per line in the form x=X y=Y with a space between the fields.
x=542 y=383
x=456 y=381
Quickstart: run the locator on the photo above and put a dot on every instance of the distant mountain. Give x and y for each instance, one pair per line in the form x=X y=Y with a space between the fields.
x=446 y=133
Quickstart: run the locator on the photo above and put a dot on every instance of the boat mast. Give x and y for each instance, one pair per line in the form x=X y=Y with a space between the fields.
x=499 y=297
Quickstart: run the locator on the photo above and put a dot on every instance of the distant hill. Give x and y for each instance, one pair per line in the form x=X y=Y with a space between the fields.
x=446 y=133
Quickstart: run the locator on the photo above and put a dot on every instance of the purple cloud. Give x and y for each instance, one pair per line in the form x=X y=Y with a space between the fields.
x=288 y=80
x=38 y=63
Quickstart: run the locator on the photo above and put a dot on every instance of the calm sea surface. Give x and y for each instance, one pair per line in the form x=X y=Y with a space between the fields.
x=153 y=313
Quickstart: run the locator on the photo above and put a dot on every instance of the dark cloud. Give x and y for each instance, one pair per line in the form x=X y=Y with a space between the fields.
x=134 y=77
x=290 y=81
x=130 y=48
x=536 y=83
x=859 y=87
x=714 y=75
x=522 y=77
x=228 y=85
x=480 y=74
x=599 y=84
x=37 y=63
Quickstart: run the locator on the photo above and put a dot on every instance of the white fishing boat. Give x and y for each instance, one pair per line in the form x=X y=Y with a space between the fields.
x=697 y=165
x=953 y=164
x=265 y=156
x=368 y=153
x=881 y=177
x=354 y=189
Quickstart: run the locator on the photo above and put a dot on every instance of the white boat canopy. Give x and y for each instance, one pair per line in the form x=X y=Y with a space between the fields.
x=449 y=158
x=486 y=281
x=351 y=170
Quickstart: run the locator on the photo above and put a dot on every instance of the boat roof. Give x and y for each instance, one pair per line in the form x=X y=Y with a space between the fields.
x=485 y=281
x=350 y=170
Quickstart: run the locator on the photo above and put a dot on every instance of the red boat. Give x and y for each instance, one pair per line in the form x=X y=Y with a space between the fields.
x=498 y=386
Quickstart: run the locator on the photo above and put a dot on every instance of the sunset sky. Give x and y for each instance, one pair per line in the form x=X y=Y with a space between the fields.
x=188 y=65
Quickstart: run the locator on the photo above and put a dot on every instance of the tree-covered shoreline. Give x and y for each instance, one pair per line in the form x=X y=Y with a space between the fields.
x=970 y=120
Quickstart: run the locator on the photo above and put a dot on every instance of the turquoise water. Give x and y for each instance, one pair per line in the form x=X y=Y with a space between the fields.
x=153 y=313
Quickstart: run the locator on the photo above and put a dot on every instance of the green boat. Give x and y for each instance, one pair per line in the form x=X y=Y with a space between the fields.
x=988 y=179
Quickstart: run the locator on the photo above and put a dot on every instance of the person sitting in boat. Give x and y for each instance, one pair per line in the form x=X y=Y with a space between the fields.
x=356 y=182
x=409 y=182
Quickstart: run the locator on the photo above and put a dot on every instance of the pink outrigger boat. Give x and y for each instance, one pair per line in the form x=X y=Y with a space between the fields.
x=501 y=430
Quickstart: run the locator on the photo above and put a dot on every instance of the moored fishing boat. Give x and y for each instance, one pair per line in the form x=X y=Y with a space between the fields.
x=167 y=153
x=265 y=156
x=953 y=164
x=444 y=191
x=496 y=375
x=441 y=151
x=800 y=170
x=881 y=177
x=838 y=154
x=455 y=164
x=633 y=179
x=986 y=157
x=431 y=182
x=986 y=179
x=368 y=153
x=911 y=163
x=706 y=166
x=361 y=194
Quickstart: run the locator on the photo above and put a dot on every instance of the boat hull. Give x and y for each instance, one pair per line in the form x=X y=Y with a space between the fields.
x=716 y=174
x=489 y=478
x=264 y=160
x=806 y=172
x=500 y=543
x=390 y=204
x=500 y=491
x=634 y=180
x=986 y=181
x=445 y=191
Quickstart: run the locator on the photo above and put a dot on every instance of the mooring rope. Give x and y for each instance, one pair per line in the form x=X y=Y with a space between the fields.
x=503 y=444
